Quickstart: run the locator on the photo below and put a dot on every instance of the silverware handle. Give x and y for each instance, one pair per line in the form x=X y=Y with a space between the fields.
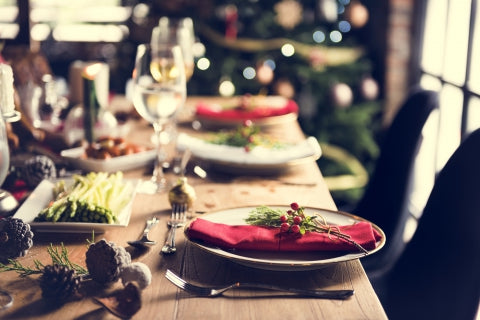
x=169 y=246
x=149 y=226
x=326 y=294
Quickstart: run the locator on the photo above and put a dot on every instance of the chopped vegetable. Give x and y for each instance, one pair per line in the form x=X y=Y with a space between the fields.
x=95 y=197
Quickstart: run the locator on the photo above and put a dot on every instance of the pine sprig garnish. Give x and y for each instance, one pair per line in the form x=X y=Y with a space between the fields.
x=23 y=271
x=58 y=255
x=247 y=135
x=295 y=220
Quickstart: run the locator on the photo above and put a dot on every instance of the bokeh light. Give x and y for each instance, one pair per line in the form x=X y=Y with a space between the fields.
x=226 y=88
x=319 y=36
x=203 y=64
x=288 y=50
x=344 y=26
x=249 y=73
x=336 y=36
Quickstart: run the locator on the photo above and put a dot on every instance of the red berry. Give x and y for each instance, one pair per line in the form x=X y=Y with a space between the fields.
x=283 y=218
x=284 y=227
x=297 y=219
x=289 y=212
x=247 y=123
x=295 y=228
x=247 y=148
x=294 y=206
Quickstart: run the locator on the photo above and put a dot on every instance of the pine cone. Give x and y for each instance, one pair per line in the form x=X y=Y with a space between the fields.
x=105 y=260
x=15 y=238
x=59 y=282
x=37 y=169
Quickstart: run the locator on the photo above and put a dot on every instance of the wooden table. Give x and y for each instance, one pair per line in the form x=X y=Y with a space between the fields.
x=161 y=300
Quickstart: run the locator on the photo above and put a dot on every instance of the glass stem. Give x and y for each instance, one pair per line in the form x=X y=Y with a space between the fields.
x=158 y=177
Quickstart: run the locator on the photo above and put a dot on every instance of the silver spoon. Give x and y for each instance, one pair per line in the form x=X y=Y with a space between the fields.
x=144 y=240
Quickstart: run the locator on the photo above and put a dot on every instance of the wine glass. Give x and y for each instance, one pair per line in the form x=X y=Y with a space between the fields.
x=177 y=31
x=159 y=91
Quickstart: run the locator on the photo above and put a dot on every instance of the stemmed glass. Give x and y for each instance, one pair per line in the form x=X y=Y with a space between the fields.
x=159 y=91
x=176 y=31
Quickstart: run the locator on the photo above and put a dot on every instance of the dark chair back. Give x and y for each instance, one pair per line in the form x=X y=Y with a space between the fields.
x=384 y=200
x=438 y=274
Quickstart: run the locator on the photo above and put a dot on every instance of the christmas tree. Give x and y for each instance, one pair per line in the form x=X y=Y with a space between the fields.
x=304 y=50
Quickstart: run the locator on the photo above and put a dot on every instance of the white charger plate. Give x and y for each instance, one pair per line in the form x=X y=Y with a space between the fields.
x=259 y=160
x=284 y=261
x=40 y=198
x=121 y=163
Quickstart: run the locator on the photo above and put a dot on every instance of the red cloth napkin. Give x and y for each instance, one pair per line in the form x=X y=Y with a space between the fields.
x=248 y=237
x=259 y=112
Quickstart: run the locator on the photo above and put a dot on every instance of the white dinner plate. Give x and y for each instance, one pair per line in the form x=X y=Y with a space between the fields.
x=259 y=160
x=40 y=198
x=121 y=163
x=284 y=261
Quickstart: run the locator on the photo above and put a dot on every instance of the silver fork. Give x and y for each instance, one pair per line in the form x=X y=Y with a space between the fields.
x=177 y=220
x=216 y=291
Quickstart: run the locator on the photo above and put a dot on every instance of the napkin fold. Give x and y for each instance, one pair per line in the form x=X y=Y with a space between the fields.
x=258 y=112
x=249 y=237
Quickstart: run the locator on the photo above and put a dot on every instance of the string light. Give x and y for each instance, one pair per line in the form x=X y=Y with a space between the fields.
x=344 y=26
x=318 y=36
x=226 y=88
x=270 y=63
x=288 y=50
x=203 y=64
x=249 y=73
x=335 y=36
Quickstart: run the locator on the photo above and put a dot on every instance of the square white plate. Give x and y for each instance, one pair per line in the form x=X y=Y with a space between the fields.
x=40 y=198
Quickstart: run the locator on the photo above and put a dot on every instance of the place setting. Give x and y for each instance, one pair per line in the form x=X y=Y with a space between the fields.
x=257 y=237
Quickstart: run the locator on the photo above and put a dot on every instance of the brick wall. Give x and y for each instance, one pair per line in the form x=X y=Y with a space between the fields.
x=398 y=55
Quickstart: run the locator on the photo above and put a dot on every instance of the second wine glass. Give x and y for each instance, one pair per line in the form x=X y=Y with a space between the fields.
x=159 y=91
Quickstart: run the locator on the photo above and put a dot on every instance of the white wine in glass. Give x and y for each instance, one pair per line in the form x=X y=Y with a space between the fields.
x=177 y=31
x=159 y=92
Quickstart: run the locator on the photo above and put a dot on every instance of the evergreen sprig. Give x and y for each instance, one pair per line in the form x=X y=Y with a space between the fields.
x=58 y=255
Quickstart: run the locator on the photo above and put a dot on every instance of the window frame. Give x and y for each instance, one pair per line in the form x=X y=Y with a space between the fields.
x=416 y=67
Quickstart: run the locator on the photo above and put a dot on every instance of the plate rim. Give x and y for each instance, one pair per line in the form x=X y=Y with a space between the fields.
x=113 y=164
x=213 y=122
x=261 y=121
x=265 y=168
x=73 y=227
x=281 y=266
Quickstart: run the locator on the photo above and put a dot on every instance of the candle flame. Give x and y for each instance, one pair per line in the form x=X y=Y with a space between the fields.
x=91 y=71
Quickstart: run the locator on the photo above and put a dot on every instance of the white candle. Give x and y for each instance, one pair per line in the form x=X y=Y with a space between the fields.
x=7 y=105
x=102 y=78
